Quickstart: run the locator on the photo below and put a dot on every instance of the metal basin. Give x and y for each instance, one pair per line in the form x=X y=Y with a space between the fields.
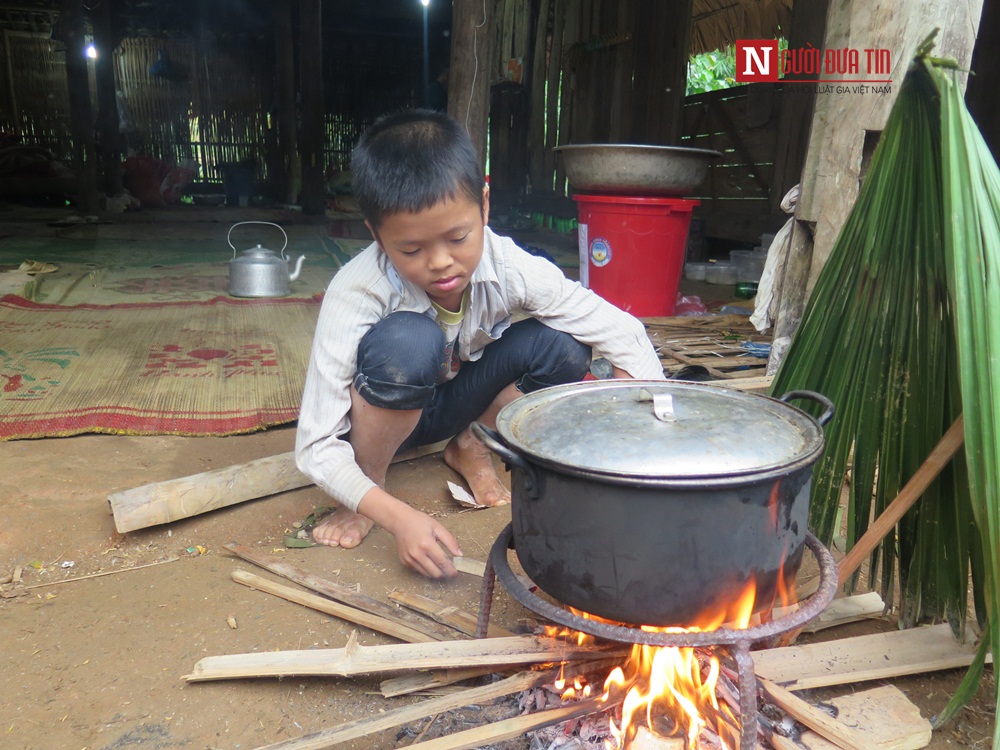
x=634 y=169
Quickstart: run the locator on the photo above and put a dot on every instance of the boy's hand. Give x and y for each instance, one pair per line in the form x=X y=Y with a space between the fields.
x=425 y=545
x=422 y=543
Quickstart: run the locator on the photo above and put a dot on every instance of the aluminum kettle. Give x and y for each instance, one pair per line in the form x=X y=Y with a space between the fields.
x=259 y=272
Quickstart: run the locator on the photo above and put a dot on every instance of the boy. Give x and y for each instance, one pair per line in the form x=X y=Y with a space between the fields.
x=415 y=339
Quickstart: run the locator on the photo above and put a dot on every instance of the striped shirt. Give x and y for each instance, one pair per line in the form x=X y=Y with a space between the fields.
x=508 y=282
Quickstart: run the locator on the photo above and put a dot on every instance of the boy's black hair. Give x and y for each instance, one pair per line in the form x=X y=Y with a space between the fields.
x=411 y=160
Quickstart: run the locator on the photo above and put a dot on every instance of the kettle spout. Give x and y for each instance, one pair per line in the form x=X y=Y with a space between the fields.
x=298 y=268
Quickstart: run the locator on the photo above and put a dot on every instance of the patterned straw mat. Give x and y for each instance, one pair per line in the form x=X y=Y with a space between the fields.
x=217 y=367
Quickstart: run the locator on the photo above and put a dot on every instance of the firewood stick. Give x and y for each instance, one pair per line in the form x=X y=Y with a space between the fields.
x=415 y=683
x=943 y=452
x=103 y=573
x=381 y=624
x=354 y=659
x=342 y=593
x=453 y=617
x=819 y=721
x=353 y=730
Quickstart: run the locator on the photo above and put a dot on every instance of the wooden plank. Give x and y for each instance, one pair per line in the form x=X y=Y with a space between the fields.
x=353 y=730
x=321 y=604
x=446 y=614
x=354 y=659
x=819 y=721
x=163 y=502
x=848 y=609
x=884 y=715
x=867 y=657
x=342 y=593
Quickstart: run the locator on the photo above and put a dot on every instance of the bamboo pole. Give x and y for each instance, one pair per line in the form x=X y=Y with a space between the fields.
x=355 y=660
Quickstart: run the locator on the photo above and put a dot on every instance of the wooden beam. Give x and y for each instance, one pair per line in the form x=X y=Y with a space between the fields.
x=174 y=499
x=354 y=659
x=470 y=75
x=313 y=197
x=342 y=593
x=867 y=657
x=321 y=604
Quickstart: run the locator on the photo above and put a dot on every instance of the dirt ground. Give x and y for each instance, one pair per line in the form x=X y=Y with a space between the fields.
x=96 y=664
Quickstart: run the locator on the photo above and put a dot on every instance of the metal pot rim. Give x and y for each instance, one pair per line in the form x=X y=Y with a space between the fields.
x=607 y=431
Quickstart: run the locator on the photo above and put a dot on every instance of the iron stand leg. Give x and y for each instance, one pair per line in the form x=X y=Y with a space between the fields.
x=748 y=695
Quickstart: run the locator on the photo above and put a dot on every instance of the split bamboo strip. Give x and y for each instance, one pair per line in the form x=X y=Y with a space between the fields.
x=342 y=593
x=358 y=617
x=453 y=617
x=354 y=659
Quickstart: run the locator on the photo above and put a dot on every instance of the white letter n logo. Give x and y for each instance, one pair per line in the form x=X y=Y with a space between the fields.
x=760 y=62
x=756 y=60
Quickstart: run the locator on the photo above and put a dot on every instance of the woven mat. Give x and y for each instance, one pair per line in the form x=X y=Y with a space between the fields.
x=112 y=272
x=219 y=367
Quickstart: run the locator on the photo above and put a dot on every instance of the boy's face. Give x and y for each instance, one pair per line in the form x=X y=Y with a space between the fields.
x=436 y=249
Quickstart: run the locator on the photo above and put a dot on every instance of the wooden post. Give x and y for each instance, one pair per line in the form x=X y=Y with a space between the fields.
x=808 y=27
x=536 y=111
x=836 y=141
x=311 y=77
x=469 y=77
x=107 y=101
x=840 y=124
x=285 y=75
x=662 y=34
x=80 y=113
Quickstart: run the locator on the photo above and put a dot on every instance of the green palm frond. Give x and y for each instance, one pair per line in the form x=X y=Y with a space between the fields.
x=902 y=329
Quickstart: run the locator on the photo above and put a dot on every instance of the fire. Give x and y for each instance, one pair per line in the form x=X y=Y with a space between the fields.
x=673 y=683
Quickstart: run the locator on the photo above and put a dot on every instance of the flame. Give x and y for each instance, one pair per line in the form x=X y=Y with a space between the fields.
x=674 y=682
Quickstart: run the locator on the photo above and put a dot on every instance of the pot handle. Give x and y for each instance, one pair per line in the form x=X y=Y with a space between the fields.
x=493 y=441
x=270 y=223
x=826 y=403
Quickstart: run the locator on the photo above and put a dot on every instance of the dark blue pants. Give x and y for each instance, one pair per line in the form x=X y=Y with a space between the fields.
x=399 y=362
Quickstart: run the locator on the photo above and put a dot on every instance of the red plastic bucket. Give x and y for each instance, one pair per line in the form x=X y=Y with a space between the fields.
x=632 y=249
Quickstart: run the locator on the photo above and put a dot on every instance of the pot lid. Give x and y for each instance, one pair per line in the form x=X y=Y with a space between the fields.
x=658 y=429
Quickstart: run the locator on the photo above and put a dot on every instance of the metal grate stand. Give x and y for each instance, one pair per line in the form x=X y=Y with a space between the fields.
x=737 y=642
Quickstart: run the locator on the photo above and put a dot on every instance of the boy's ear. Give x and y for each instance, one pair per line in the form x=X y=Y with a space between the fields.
x=486 y=204
x=374 y=233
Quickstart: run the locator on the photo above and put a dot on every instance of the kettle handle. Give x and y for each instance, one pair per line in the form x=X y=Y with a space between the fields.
x=271 y=223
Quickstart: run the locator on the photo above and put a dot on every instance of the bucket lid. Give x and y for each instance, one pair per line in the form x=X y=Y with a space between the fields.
x=659 y=429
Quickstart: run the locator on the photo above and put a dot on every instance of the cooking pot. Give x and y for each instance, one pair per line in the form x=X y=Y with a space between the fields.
x=658 y=502
x=259 y=272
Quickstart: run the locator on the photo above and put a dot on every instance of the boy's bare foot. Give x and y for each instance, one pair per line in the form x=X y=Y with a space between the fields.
x=474 y=461
x=343 y=528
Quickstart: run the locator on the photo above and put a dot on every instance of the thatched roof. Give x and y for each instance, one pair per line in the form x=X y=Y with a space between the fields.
x=716 y=23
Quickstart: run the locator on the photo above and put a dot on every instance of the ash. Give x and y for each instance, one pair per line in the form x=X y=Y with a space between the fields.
x=585 y=733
